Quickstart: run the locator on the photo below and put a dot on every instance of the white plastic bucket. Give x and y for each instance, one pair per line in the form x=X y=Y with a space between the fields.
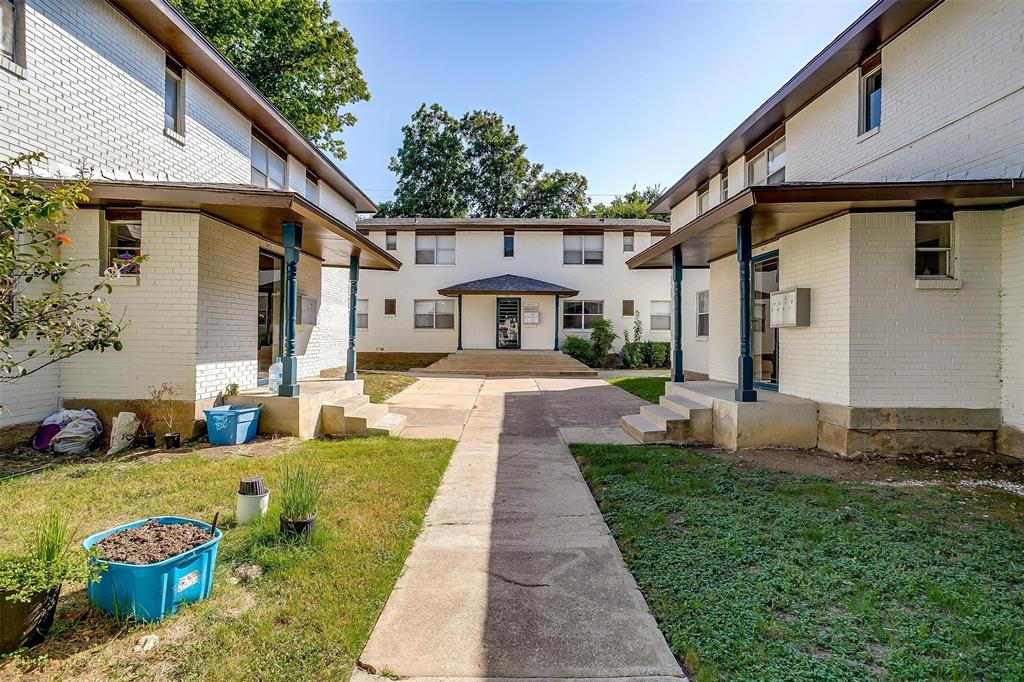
x=249 y=507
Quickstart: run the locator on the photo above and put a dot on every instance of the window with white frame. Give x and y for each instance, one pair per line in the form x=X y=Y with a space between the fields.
x=703 y=313
x=627 y=240
x=391 y=240
x=312 y=191
x=267 y=167
x=508 y=249
x=724 y=191
x=579 y=315
x=434 y=314
x=582 y=249
x=174 y=97
x=12 y=31
x=933 y=247
x=703 y=202
x=124 y=242
x=362 y=313
x=435 y=249
x=661 y=315
x=870 y=99
x=768 y=167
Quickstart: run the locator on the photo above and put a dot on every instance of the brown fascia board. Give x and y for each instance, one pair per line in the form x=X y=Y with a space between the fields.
x=880 y=24
x=165 y=25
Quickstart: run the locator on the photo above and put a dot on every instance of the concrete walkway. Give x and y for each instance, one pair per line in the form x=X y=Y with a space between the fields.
x=515 y=574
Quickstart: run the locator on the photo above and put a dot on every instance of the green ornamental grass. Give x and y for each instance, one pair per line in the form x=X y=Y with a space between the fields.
x=301 y=486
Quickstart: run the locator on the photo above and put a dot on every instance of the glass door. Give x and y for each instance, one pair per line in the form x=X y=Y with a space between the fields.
x=764 y=339
x=268 y=312
x=508 y=323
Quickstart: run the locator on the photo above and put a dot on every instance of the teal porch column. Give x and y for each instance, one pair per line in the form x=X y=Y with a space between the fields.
x=292 y=238
x=353 y=300
x=677 y=311
x=745 y=392
x=556 y=322
x=459 y=344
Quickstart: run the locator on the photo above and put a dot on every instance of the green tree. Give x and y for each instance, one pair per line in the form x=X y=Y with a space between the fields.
x=475 y=166
x=301 y=59
x=633 y=204
x=40 y=322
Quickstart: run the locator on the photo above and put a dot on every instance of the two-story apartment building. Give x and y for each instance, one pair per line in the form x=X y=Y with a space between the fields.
x=493 y=283
x=864 y=230
x=244 y=221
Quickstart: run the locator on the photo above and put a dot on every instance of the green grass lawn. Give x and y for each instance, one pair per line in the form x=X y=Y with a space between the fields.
x=761 y=575
x=380 y=387
x=648 y=388
x=310 y=614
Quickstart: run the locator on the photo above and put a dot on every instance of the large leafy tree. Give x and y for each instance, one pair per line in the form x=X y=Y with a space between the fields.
x=475 y=166
x=633 y=204
x=301 y=59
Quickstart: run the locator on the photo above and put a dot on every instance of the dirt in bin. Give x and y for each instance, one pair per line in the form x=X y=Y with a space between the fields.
x=151 y=542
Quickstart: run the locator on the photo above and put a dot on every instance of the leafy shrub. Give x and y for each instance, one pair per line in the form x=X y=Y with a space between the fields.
x=659 y=353
x=300 y=490
x=602 y=336
x=578 y=349
x=632 y=354
x=51 y=560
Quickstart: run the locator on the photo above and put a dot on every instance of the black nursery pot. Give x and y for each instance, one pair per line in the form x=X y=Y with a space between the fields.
x=148 y=440
x=301 y=528
x=26 y=623
x=172 y=440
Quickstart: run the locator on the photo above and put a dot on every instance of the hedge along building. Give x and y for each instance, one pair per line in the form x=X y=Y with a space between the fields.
x=515 y=284
x=238 y=213
x=864 y=230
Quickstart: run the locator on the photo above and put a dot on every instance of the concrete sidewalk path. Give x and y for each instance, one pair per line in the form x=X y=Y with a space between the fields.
x=515 y=574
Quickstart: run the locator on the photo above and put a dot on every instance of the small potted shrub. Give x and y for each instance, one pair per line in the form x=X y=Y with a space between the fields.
x=145 y=436
x=300 y=488
x=30 y=584
x=161 y=400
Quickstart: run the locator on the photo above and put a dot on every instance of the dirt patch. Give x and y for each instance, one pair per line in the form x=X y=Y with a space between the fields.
x=151 y=542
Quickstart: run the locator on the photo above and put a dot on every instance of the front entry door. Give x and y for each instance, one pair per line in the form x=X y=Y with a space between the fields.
x=764 y=339
x=508 y=323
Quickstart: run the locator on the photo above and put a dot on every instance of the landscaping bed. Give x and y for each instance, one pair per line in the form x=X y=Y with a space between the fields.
x=151 y=543
x=259 y=622
x=758 y=573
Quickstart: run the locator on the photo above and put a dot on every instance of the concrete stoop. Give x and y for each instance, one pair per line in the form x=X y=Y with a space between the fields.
x=679 y=417
x=324 y=407
x=510 y=363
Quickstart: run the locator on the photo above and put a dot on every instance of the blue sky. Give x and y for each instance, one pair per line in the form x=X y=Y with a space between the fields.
x=622 y=92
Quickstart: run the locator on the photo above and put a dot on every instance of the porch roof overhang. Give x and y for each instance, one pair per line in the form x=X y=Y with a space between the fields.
x=251 y=209
x=774 y=210
x=510 y=285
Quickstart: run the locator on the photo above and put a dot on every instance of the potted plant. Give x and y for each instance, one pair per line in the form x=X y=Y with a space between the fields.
x=300 y=488
x=30 y=584
x=145 y=436
x=161 y=400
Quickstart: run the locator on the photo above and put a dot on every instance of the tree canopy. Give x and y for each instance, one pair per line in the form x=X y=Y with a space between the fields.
x=632 y=204
x=475 y=166
x=301 y=59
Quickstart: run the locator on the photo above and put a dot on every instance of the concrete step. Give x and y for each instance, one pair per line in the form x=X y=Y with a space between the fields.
x=682 y=391
x=661 y=416
x=684 y=407
x=699 y=420
x=357 y=421
x=353 y=402
x=642 y=429
x=510 y=364
x=390 y=424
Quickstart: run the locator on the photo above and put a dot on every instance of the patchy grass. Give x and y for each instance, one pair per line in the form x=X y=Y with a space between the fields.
x=398 y=362
x=648 y=388
x=310 y=614
x=380 y=387
x=756 y=574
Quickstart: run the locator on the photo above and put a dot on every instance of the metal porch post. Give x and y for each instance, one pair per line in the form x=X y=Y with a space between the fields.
x=353 y=300
x=557 y=300
x=459 y=346
x=292 y=238
x=745 y=392
x=677 y=310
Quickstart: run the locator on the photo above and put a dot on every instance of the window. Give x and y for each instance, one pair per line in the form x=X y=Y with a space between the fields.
x=362 y=313
x=724 y=195
x=124 y=241
x=933 y=245
x=628 y=308
x=434 y=314
x=312 y=192
x=581 y=314
x=768 y=167
x=703 y=202
x=583 y=249
x=509 y=244
x=391 y=240
x=174 y=99
x=627 y=240
x=390 y=307
x=661 y=315
x=267 y=167
x=12 y=31
x=703 y=313
x=870 y=96
x=435 y=249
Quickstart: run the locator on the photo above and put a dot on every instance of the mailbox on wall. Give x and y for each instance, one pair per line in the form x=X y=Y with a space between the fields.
x=307 y=310
x=791 y=308
x=531 y=313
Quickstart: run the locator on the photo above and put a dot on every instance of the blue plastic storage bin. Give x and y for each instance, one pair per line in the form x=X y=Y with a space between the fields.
x=152 y=592
x=232 y=424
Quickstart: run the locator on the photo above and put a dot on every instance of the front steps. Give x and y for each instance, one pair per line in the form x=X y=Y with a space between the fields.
x=682 y=416
x=510 y=363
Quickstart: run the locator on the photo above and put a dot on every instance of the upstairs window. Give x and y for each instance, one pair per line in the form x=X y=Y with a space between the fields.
x=390 y=307
x=661 y=315
x=434 y=314
x=124 y=242
x=436 y=249
x=703 y=202
x=703 y=313
x=391 y=240
x=12 y=31
x=933 y=246
x=724 y=192
x=312 y=189
x=583 y=249
x=627 y=240
x=174 y=98
x=509 y=246
x=628 y=308
x=267 y=166
x=871 y=100
x=580 y=315
x=363 y=313
x=768 y=167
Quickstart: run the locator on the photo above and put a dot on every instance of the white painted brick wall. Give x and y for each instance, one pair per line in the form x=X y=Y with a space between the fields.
x=1012 y=308
x=30 y=399
x=723 y=342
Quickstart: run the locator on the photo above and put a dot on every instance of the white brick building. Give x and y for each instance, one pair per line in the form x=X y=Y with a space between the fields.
x=886 y=179
x=195 y=169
